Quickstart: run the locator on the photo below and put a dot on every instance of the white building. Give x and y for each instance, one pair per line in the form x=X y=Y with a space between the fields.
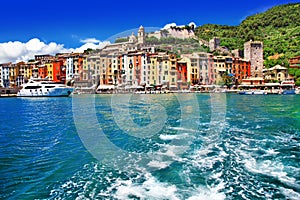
x=70 y=69
x=4 y=75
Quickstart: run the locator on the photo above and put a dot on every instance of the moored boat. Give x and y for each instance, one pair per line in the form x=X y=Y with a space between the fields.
x=252 y=92
x=288 y=87
x=44 y=88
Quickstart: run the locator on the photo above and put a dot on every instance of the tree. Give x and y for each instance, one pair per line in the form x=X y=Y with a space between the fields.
x=227 y=80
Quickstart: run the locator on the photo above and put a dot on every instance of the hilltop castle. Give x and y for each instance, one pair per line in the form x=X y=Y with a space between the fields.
x=134 y=42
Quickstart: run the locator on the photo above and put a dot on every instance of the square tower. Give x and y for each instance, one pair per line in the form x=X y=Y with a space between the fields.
x=214 y=43
x=253 y=52
x=141 y=35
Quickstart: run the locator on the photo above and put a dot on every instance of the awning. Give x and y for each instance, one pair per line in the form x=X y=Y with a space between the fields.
x=105 y=87
x=137 y=87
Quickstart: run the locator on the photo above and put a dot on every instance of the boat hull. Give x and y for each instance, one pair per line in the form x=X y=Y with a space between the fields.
x=289 y=92
x=252 y=92
x=55 y=92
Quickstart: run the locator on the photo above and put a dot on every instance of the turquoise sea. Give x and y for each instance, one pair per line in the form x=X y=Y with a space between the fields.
x=168 y=146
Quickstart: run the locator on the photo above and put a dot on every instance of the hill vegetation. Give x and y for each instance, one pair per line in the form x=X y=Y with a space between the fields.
x=278 y=28
x=175 y=45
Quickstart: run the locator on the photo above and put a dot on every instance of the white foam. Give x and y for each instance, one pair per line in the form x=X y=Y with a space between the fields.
x=182 y=129
x=158 y=164
x=205 y=193
x=269 y=168
x=173 y=137
x=202 y=160
x=290 y=194
x=150 y=189
x=271 y=152
x=217 y=175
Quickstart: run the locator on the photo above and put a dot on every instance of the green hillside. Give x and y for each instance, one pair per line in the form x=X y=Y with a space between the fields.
x=278 y=28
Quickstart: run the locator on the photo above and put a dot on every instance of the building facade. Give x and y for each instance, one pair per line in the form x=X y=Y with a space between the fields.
x=253 y=51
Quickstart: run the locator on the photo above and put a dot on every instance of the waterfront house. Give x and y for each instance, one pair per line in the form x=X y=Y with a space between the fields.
x=276 y=74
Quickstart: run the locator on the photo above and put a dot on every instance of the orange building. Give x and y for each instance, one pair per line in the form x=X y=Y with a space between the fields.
x=43 y=72
x=58 y=75
x=241 y=69
x=182 y=75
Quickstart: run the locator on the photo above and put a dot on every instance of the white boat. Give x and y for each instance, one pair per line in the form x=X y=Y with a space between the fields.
x=44 y=89
x=251 y=92
x=288 y=87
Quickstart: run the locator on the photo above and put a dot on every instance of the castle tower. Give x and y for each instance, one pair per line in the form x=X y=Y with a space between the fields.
x=214 y=43
x=253 y=51
x=141 y=35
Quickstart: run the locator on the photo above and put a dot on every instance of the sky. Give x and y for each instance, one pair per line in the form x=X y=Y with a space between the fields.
x=35 y=27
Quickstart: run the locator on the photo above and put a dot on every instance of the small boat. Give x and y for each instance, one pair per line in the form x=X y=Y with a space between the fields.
x=252 y=92
x=245 y=92
x=36 y=88
x=288 y=87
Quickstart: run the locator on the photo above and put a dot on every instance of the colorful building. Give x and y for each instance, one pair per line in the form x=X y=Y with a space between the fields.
x=59 y=71
x=295 y=62
x=182 y=77
x=43 y=71
x=5 y=75
x=241 y=69
x=49 y=67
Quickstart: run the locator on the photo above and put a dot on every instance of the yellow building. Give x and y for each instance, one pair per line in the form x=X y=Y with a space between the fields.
x=24 y=70
x=13 y=74
x=172 y=71
x=50 y=70
x=223 y=64
x=276 y=73
x=163 y=70
x=153 y=70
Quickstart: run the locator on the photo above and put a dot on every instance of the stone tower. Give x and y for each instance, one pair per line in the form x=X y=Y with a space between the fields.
x=214 y=43
x=141 y=35
x=253 y=51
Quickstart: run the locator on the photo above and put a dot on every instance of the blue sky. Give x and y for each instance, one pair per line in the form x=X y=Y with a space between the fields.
x=70 y=23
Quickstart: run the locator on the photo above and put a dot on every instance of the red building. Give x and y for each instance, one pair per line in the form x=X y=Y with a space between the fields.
x=241 y=69
x=182 y=75
x=59 y=72
x=295 y=62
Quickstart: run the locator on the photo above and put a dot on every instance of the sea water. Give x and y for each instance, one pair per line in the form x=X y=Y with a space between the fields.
x=167 y=146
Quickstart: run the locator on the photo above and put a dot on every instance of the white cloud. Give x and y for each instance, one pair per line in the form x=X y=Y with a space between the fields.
x=15 y=51
x=90 y=45
x=167 y=26
x=18 y=51
x=90 y=40
x=193 y=23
